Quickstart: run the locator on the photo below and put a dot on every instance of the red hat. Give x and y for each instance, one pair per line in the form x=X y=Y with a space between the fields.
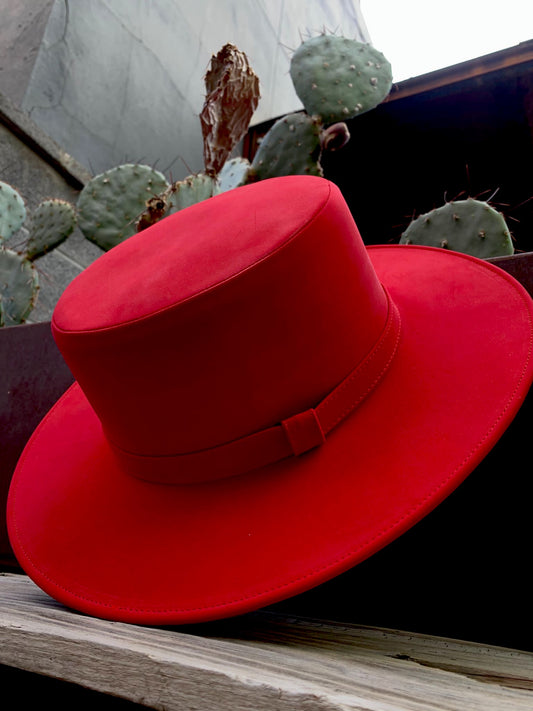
x=261 y=403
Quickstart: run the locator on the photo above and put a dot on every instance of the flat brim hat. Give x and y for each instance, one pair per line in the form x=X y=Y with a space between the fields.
x=260 y=404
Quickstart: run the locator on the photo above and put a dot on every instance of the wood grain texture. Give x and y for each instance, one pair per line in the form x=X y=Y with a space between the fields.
x=258 y=661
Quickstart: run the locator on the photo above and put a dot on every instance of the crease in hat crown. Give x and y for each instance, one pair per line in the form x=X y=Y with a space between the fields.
x=223 y=321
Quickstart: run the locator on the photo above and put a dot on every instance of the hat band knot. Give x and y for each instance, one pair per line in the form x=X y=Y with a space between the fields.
x=294 y=436
x=304 y=431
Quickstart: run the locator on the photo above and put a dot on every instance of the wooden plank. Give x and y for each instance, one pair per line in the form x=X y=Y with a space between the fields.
x=258 y=661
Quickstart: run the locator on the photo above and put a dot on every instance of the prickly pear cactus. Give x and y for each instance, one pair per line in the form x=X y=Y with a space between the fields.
x=291 y=147
x=19 y=285
x=191 y=190
x=233 y=174
x=232 y=97
x=12 y=211
x=51 y=223
x=110 y=204
x=469 y=226
x=337 y=78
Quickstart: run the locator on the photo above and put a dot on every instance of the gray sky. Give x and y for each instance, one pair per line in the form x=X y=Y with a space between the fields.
x=419 y=36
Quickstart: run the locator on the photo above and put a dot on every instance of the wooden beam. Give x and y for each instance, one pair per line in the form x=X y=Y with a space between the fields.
x=258 y=661
x=519 y=56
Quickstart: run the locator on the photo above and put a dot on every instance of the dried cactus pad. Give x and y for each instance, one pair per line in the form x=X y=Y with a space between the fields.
x=469 y=226
x=19 y=285
x=12 y=211
x=51 y=223
x=291 y=147
x=110 y=204
x=232 y=97
x=337 y=78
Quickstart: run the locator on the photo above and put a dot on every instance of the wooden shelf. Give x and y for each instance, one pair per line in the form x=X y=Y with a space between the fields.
x=258 y=661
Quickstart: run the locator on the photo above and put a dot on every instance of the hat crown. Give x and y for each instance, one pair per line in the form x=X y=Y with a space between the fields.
x=223 y=319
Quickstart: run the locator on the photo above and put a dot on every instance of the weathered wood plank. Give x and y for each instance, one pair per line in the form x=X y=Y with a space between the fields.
x=258 y=661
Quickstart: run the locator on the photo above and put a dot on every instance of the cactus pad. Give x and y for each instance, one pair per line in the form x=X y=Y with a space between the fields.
x=233 y=174
x=12 y=211
x=232 y=97
x=51 y=223
x=337 y=78
x=19 y=285
x=111 y=203
x=469 y=226
x=191 y=190
x=291 y=147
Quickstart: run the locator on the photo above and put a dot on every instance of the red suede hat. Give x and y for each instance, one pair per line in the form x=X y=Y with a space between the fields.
x=261 y=403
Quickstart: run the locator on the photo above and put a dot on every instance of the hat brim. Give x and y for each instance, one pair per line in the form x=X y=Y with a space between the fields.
x=116 y=547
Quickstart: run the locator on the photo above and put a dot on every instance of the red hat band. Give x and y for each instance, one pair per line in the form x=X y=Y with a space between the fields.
x=239 y=362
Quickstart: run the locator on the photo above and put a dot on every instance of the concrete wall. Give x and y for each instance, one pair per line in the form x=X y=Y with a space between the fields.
x=122 y=80
x=22 y=26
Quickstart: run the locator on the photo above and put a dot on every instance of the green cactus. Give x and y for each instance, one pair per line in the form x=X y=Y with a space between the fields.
x=51 y=223
x=234 y=173
x=12 y=211
x=19 y=285
x=291 y=147
x=469 y=226
x=177 y=196
x=110 y=205
x=345 y=77
x=130 y=198
x=337 y=78
x=191 y=190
